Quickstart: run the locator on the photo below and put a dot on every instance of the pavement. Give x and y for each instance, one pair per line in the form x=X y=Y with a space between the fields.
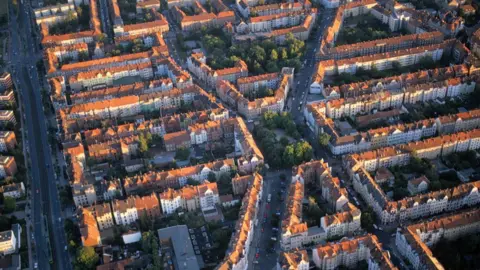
x=45 y=201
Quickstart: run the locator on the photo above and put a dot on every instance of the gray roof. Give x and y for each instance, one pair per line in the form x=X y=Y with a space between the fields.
x=185 y=258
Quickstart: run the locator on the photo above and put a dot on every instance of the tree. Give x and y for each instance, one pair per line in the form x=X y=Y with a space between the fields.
x=5 y=223
x=143 y=144
x=87 y=257
x=212 y=177
x=145 y=221
x=289 y=155
x=273 y=55
x=9 y=205
x=182 y=153
x=284 y=54
x=192 y=182
x=367 y=219
x=324 y=139
x=147 y=240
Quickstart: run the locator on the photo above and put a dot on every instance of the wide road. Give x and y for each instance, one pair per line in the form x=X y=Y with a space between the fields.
x=45 y=198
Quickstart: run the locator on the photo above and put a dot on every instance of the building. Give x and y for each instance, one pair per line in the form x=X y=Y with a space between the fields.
x=8 y=242
x=293 y=260
x=190 y=198
x=240 y=184
x=124 y=211
x=384 y=175
x=240 y=243
x=7 y=116
x=177 y=240
x=418 y=185
x=103 y=215
x=349 y=252
x=178 y=177
x=5 y=81
x=208 y=196
x=8 y=166
x=14 y=190
x=148 y=205
x=414 y=241
x=7 y=140
x=89 y=232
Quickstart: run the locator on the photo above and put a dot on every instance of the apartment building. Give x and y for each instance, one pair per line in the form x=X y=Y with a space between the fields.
x=197 y=64
x=133 y=105
x=267 y=23
x=349 y=252
x=381 y=61
x=414 y=241
x=8 y=242
x=253 y=83
x=103 y=215
x=7 y=140
x=5 y=81
x=14 y=190
x=57 y=92
x=249 y=155
x=137 y=88
x=293 y=260
x=7 y=116
x=433 y=78
x=148 y=205
x=83 y=193
x=8 y=166
x=190 y=198
x=125 y=211
x=240 y=243
x=51 y=15
x=158 y=25
x=463 y=121
x=177 y=140
x=240 y=184
x=377 y=46
x=106 y=78
x=254 y=109
x=89 y=232
x=422 y=205
x=178 y=177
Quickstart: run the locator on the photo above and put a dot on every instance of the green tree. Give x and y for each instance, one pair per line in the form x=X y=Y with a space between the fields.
x=143 y=144
x=289 y=155
x=324 y=139
x=273 y=55
x=284 y=54
x=87 y=258
x=9 y=205
x=147 y=240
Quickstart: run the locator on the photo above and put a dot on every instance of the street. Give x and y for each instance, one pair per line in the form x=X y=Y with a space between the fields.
x=263 y=232
x=44 y=199
x=302 y=78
